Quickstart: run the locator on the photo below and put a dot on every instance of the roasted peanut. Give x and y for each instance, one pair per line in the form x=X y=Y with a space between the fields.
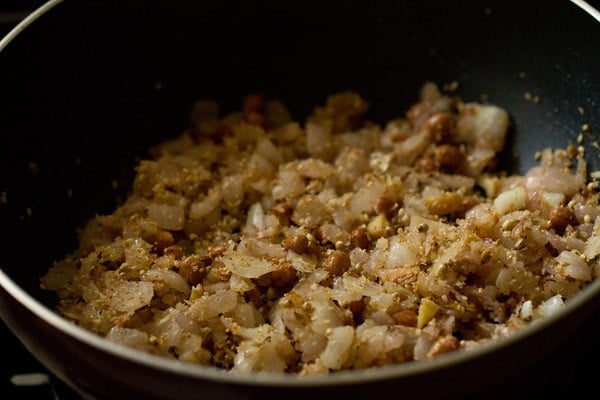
x=313 y=248
x=161 y=241
x=447 y=157
x=256 y=119
x=337 y=263
x=360 y=238
x=283 y=276
x=357 y=307
x=561 y=217
x=417 y=114
x=253 y=109
x=440 y=127
x=253 y=103
x=468 y=202
x=175 y=251
x=425 y=164
x=192 y=269
x=298 y=244
x=405 y=317
x=283 y=212
x=387 y=206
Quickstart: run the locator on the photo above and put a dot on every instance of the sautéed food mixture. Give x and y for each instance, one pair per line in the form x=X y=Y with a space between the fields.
x=256 y=243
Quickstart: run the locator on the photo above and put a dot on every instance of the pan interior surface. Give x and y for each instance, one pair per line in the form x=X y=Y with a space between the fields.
x=82 y=103
x=86 y=103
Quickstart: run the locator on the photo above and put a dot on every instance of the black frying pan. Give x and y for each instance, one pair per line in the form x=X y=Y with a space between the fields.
x=90 y=85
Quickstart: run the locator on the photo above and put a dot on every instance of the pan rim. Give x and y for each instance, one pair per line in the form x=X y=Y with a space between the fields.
x=588 y=8
x=397 y=371
x=159 y=363
x=28 y=20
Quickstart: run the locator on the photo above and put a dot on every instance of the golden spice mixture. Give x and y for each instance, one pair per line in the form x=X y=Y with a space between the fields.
x=256 y=243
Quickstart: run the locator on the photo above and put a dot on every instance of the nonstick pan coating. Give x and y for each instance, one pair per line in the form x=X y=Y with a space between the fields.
x=91 y=85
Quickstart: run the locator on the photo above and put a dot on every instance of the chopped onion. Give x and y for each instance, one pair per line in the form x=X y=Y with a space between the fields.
x=245 y=265
x=550 y=306
x=340 y=342
x=167 y=216
x=131 y=295
x=551 y=179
